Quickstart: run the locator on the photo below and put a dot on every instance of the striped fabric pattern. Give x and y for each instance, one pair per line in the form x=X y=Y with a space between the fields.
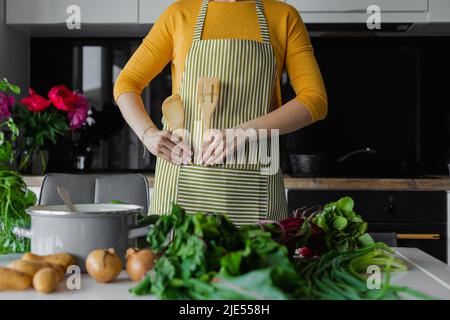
x=241 y=194
x=247 y=72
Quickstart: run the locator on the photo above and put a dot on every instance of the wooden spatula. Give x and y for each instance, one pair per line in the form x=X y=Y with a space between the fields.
x=173 y=112
x=208 y=97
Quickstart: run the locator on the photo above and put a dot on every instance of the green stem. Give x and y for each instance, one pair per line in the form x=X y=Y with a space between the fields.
x=43 y=163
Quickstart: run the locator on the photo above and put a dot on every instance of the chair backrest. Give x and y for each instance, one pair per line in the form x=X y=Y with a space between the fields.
x=128 y=188
x=389 y=238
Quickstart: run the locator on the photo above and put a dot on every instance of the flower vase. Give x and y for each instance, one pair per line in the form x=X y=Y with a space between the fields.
x=31 y=161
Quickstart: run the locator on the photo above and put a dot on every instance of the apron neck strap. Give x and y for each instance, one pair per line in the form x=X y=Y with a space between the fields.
x=264 y=29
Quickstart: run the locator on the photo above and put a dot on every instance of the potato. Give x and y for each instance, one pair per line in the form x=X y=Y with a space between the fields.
x=46 y=280
x=62 y=259
x=13 y=280
x=30 y=268
x=60 y=270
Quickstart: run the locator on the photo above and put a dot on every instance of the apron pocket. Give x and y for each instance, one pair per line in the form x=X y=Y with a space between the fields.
x=239 y=193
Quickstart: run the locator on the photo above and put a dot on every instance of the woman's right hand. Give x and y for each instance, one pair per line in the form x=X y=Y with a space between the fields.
x=168 y=146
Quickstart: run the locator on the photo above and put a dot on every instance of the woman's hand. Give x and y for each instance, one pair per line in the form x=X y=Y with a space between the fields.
x=168 y=146
x=220 y=145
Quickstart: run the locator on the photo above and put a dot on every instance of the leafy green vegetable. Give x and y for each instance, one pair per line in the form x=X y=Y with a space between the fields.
x=117 y=202
x=255 y=285
x=344 y=229
x=209 y=257
x=14 y=199
x=343 y=275
x=14 y=195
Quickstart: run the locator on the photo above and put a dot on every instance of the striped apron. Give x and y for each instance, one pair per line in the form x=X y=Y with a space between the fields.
x=247 y=73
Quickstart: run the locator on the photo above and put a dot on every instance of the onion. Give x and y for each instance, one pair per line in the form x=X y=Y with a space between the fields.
x=103 y=265
x=139 y=262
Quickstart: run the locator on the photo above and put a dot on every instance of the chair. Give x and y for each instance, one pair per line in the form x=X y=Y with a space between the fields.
x=389 y=238
x=128 y=188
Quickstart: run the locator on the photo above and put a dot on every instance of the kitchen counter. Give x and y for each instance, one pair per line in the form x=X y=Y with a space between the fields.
x=428 y=184
x=425 y=274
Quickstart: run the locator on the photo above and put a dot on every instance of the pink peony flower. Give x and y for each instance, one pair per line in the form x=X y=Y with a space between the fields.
x=78 y=116
x=62 y=98
x=35 y=102
x=5 y=102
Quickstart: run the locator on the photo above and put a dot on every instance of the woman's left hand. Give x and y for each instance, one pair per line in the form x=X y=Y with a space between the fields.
x=217 y=146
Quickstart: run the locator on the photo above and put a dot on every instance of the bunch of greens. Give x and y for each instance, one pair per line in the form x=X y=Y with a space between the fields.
x=14 y=199
x=344 y=275
x=14 y=195
x=344 y=230
x=206 y=257
x=210 y=258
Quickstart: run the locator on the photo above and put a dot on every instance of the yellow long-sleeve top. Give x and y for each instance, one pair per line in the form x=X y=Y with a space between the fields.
x=170 y=38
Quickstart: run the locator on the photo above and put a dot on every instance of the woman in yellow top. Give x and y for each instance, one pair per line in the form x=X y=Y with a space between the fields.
x=246 y=44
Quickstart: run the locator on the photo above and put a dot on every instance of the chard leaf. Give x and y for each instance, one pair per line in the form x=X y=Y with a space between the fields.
x=254 y=285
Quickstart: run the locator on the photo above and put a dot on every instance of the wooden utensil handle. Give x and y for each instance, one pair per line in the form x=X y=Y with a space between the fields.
x=419 y=236
x=206 y=122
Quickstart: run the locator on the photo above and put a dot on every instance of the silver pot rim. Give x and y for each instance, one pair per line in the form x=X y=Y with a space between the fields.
x=93 y=210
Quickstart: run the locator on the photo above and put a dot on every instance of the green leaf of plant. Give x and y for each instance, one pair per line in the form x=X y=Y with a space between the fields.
x=365 y=240
x=254 y=285
x=339 y=223
x=15 y=89
x=346 y=204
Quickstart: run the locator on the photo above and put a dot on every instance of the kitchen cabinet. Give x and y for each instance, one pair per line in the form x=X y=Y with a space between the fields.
x=31 y=12
x=150 y=10
x=359 y=5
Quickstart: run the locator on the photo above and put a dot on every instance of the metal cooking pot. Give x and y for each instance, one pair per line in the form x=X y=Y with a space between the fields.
x=54 y=229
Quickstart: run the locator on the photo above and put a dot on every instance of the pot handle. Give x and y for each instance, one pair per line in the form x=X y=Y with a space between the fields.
x=351 y=154
x=22 y=232
x=139 y=232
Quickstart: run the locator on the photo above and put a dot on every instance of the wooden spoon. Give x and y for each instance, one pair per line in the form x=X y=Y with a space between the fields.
x=208 y=97
x=173 y=112
x=65 y=197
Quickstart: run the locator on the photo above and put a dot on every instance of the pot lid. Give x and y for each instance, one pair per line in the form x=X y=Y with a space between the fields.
x=85 y=210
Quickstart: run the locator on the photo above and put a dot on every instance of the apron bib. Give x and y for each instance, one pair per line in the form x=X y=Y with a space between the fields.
x=247 y=73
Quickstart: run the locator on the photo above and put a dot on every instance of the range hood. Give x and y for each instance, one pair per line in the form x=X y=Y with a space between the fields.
x=354 y=17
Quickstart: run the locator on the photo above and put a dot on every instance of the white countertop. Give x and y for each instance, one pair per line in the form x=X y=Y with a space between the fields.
x=425 y=274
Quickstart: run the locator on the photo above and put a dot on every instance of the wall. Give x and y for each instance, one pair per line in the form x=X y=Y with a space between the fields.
x=14 y=53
